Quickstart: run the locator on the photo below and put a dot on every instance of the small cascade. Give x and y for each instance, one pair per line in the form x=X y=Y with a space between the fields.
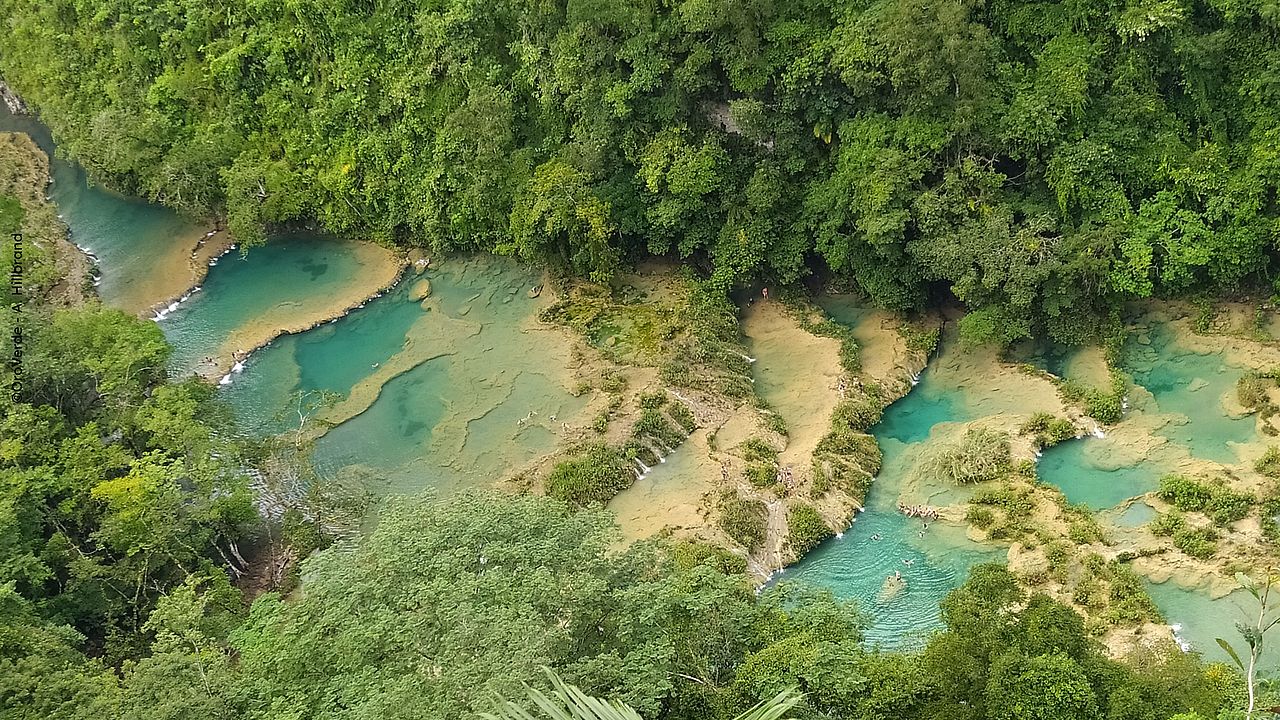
x=644 y=469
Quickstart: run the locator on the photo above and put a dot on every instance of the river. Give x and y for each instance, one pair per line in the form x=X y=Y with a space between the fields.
x=465 y=387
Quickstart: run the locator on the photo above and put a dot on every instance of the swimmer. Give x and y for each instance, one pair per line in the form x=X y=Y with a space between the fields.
x=908 y=562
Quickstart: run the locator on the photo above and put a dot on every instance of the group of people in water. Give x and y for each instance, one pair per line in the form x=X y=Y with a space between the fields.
x=919 y=511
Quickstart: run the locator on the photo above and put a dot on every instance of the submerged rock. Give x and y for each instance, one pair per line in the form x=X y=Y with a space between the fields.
x=421 y=290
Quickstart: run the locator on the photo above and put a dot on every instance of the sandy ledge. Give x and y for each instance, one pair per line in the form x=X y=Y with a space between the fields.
x=379 y=270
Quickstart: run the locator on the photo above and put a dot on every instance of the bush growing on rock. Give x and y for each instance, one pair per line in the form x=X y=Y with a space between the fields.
x=980 y=455
x=1167 y=524
x=757 y=450
x=1269 y=463
x=1223 y=505
x=1047 y=430
x=743 y=519
x=594 y=476
x=857 y=414
x=1199 y=543
x=979 y=517
x=683 y=416
x=805 y=528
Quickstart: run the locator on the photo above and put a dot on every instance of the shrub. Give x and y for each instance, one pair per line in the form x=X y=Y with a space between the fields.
x=689 y=554
x=856 y=446
x=775 y=422
x=594 y=476
x=683 y=416
x=1057 y=554
x=652 y=400
x=1269 y=463
x=1222 y=505
x=1184 y=493
x=980 y=455
x=1129 y=602
x=762 y=474
x=1048 y=430
x=857 y=414
x=743 y=519
x=979 y=517
x=1251 y=391
x=1084 y=530
x=1014 y=502
x=612 y=382
x=805 y=528
x=1167 y=524
x=1196 y=542
x=652 y=423
x=1226 y=506
x=1106 y=408
x=918 y=338
x=755 y=449
x=1271 y=510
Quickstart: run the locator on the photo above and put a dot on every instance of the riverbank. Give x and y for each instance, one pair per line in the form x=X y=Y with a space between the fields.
x=54 y=268
x=763 y=469
x=178 y=272
x=373 y=270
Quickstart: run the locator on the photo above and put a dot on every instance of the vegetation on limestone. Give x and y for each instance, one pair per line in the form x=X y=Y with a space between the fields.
x=590 y=477
x=1105 y=407
x=1269 y=463
x=1197 y=542
x=1215 y=500
x=806 y=528
x=743 y=519
x=979 y=455
x=1047 y=430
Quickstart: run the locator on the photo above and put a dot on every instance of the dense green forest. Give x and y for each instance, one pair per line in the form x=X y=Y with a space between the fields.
x=126 y=512
x=1040 y=161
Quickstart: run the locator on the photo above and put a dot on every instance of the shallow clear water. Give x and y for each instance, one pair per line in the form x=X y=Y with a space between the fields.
x=1199 y=620
x=469 y=366
x=288 y=271
x=1076 y=467
x=127 y=235
x=1136 y=515
x=1191 y=386
x=856 y=565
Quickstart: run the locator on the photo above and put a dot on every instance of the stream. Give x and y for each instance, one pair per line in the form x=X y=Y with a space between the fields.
x=464 y=387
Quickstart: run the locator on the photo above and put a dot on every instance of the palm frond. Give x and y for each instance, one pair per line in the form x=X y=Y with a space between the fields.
x=566 y=702
x=773 y=708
